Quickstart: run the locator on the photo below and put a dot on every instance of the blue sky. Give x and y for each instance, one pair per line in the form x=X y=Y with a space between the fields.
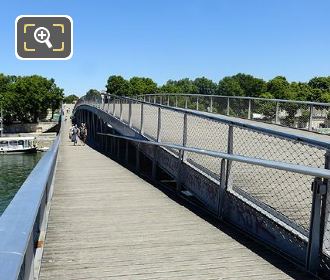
x=172 y=39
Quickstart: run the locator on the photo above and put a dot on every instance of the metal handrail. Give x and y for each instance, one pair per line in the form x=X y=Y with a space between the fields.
x=296 y=168
x=240 y=97
x=23 y=216
x=237 y=123
x=274 y=118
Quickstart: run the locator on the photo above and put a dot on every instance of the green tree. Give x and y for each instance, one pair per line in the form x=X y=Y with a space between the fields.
x=205 y=86
x=322 y=83
x=229 y=86
x=141 y=85
x=70 y=99
x=252 y=87
x=27 y=98
x=301 y=91
x=279 y=87
x=117 y=85
x=170 y=87
x=92 y=94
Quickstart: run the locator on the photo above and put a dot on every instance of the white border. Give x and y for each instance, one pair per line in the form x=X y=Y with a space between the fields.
x=65 y=58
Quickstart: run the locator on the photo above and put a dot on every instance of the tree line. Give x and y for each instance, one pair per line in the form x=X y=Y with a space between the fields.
x=28 y=98
x=317 y=89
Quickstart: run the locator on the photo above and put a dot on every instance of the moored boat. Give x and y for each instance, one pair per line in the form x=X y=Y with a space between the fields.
x=15 y=145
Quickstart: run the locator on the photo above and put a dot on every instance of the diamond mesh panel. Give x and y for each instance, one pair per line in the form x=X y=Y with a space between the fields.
x=220 y=105
x=172 y=128
x=286 y=193
x=206 y=134
x=321 y=118
x=263 y=110
x=150 y=121
x=125 y=112
x=136 y=115
x=260 y=145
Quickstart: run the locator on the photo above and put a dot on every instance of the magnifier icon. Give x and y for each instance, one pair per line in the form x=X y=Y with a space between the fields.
x=42 y=35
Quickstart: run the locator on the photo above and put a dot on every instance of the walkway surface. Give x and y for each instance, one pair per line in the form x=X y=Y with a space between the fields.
x=107 y=223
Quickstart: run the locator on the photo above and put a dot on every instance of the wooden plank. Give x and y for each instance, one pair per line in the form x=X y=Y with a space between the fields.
x=107 y=223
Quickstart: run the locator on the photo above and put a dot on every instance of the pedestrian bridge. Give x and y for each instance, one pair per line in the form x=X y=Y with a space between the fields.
x=168 y=193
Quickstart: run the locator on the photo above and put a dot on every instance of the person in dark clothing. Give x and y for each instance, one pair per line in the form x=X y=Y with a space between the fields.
x=83 y=133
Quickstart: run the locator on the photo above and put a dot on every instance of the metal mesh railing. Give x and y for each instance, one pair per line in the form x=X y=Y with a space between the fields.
x=136 y=115
x=285 y=195
x=125 y=112
x=150 y=121
x=171 y=123
x=264 y=110
x=280 y=194
x=206 y=134
x=295 y=114
x=259 y=144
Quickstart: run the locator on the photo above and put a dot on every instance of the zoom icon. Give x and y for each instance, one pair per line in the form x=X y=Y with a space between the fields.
x=44 y=37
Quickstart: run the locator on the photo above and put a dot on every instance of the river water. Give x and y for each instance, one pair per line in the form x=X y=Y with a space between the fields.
x=14 y=169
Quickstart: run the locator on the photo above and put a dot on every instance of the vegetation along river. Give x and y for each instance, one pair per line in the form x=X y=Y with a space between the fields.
x=14 y=169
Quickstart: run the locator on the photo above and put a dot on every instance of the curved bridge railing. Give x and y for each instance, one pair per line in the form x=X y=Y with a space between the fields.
x=271 y=183
x=313 y=116
x=24 y=221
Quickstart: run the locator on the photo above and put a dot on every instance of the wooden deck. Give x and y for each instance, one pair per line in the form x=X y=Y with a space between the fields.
x=107 y=223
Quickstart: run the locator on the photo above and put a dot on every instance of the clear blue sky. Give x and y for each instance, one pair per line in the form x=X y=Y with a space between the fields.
x=172 y=39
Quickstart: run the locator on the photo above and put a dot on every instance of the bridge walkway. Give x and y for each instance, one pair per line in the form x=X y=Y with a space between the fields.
x=107 y=223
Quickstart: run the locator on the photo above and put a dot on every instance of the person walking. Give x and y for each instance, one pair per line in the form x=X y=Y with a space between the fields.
x=83 y=133
x=71 y=132
x=75 y=133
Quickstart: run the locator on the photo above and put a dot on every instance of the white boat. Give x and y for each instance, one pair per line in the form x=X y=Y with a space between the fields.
x=14 y=145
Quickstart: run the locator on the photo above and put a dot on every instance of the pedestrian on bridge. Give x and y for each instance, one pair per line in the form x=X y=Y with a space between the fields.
x=75 y=133
x=83 y=133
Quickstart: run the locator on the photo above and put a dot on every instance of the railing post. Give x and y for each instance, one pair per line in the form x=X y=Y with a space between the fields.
x=176 y=101
x=121 y=110
x=108 y=110
x=197 y=103
x=130 y=114
x=277 y=113
x=159 y=126
x=222 y=188
x=228 y=106
x=104 y=102
x=154 y=161
x=211 y=104
x=142 y=120
x=168 y=100
x=249 y=110
x=113 y=106
x=310 y=117
x=155 y=99
x=186 y=102
x=182 y=154
x=319 y=189
x=230 y=150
